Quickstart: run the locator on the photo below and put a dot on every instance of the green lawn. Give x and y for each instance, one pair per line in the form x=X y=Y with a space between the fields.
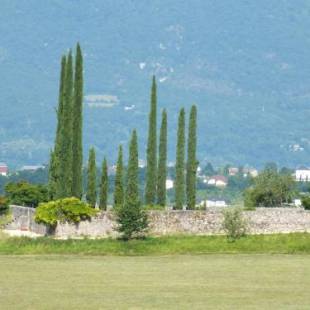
x=298 y=243
x=155 y=282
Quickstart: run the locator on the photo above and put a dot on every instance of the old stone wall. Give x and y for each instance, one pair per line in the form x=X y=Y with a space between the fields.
x=261 y=221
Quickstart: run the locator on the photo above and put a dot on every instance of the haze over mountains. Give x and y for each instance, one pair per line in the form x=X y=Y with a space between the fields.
x=246 y=64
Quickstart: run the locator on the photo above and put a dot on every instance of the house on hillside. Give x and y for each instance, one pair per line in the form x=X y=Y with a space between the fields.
x=250 y=171
x=302 y=174
x=169 y=184
x=218 y=181
x=213 y=203
x=4 y=170
x=233 y=171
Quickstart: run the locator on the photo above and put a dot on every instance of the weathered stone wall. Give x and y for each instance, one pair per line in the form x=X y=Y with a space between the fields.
x=261 y=221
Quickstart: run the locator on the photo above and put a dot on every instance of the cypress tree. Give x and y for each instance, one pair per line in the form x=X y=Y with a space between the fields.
x=77 y=146
x=65 y=156
x=150 y=187
x=104 y=185
x=119 y=180
x=91 y=195
x=131 y=217
x=55 y=160
x=179 y=166
x=191 y=166
x=52 y=176
x=162 y=161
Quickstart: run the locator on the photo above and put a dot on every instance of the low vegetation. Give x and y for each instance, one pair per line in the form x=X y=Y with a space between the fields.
x=70 y=210
x=234 y=224
x=297 y=243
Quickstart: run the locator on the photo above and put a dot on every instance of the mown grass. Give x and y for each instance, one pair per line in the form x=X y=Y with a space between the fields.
x=296 y=243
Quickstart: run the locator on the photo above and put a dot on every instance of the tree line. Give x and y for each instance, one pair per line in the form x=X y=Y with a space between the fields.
x=66 y=158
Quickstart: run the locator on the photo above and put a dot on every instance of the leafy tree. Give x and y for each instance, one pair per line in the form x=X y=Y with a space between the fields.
x=192 y=163
x=131 y=218
x=162 y=162
x=26 y=194
x=209 y=170
x=70 y=210
x=234 y=224
x=91 y=195
x=119 y=180
x=4 y=205
x=179 y=167
x=104 y=185
x=270 y=189
x=272 y=166
x=77 y=145
x=150 y=186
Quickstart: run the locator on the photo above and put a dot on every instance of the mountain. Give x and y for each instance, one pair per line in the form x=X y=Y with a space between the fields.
x=244 y=63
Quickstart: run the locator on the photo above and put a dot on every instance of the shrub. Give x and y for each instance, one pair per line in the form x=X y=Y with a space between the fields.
x=26 y=194
x=234 y=223
x=154 y=207
x=306 y=202
x=70 y=210
x=4 y=205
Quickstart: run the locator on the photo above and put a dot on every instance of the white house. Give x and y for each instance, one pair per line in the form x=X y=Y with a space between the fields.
x=4 y=169
x=169 y=184
x=302 y=175
x=214 y=203
x=218 y=180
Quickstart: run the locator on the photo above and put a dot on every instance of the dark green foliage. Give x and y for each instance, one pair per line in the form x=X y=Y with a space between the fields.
x=4 y=205
x=104 y=185
x=119 y=180
x=70 y=210
x=77 y=126
x=52 y=176
x=270 y=189
x=179 y=167
x=131 y=218
x=91 y=195
x=234 y=224
x=192 y=163
x=150 y=186
x=26 y=194
x=162 y=161
x=306 y=202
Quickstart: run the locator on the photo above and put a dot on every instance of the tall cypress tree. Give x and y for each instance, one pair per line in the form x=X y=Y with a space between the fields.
x=56 y=154
x=162 y=161
x=104 y=185
x=130 y=216
x=65 y=156
x=179 y=166
x=77 y=109
x=191 y=166
x=52 y=176
x=119 y=180
x=150 y=187
x=91 y=195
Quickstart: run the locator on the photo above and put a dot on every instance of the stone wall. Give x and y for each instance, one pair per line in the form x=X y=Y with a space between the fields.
x=261 y=221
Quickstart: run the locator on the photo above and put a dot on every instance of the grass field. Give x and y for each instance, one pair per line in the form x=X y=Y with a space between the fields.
x=298 y=243
x=160 y=282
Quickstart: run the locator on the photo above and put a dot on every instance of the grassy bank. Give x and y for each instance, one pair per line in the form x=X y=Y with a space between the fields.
x=155 y=282
x=297 y=243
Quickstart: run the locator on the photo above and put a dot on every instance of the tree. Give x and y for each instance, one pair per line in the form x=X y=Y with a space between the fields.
x=52 y=176
x=104 y=184
x=150 y=187
x=191 y=166
x=77 y=146
x=179 y=166
x=131 y=218
x=270 y=189
x=65 y=156
x=55 y=160
x=91 y=195
x=119 y=180
x=26 y=194
x=162 y=161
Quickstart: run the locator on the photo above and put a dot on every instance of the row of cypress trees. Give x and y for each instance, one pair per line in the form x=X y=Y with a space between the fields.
x=66 y=159
x=156 y=172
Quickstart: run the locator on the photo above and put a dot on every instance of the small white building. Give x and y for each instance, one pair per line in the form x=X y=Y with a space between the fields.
x=213 y=203
x=218 y=181
x=169 y=184
x=4 y=170
x=302 y=175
